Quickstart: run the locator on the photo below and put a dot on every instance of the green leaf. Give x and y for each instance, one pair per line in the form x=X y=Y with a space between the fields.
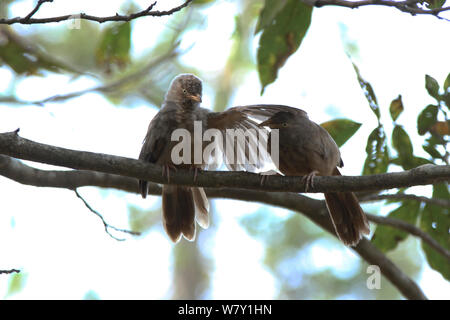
x=16 y=283
x=416 y=161
x=396 y=107
x=268 y=13
x=23 y=58
x=446 y=99
x=201 y=2
x=377 y=159
x=402 y=144
x=427 y=118
x=341 y=129
x=114 y=48
x=434 y=4
x=447 y=83
x=430 y=147
x=142 y=220
x=436 y=222
x=387 y=238
x=281 y=38
x=432 y=87
x=419 y=161
x=368 y=92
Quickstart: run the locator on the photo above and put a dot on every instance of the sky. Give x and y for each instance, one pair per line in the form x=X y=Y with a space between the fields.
x=51 y=235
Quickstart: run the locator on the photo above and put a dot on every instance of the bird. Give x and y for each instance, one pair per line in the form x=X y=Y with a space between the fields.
x=183 y=205
x=307 y=149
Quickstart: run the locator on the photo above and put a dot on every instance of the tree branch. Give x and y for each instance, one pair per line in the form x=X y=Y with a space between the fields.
x=313 y=209
x=36 y=8
x=15 y=146
x=400 y=197
x=408 y=6
x=118 y=17
x=9 y=271
x=411 y=229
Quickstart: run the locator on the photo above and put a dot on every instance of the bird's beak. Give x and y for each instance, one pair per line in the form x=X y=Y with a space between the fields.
x=266 y=123
x=196 y=98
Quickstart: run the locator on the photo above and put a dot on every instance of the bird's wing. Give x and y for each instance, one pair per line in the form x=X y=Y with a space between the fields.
x=243 y=136
x=264 y=111
x=330 y=148
x=156 y=141
x=156 y=138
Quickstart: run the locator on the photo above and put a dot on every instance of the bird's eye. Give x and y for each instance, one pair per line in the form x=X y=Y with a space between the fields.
x=284 y=124
x=184 y=91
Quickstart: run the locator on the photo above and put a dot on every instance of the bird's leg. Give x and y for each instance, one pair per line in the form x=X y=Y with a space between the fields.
x=166 y=170
x=263 y=179
x=309 y=180
x=265 y=174
x=196 y=170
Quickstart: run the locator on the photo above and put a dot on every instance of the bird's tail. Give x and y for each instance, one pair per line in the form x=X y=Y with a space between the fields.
x=181 y=206
x=349 y=220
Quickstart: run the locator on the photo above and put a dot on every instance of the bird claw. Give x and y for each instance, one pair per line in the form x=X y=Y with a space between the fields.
x=263 y=180
x=265 y=174
x=166 y=171
x=309 y=180
x=196 y=170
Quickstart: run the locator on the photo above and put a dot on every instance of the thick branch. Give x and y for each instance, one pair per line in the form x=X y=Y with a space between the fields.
x=313 y=209
x=19 y=172
x=118 y=17
x=15 y=146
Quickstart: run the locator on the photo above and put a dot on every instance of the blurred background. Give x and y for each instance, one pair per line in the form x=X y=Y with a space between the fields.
x=107 y=81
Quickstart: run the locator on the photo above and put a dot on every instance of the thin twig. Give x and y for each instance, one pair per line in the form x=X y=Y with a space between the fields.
x=408 y=6
x=400 y=197
x=117 y=17
x=107 y=225
x=36 y=8
x=411 y=229
x=9 y=271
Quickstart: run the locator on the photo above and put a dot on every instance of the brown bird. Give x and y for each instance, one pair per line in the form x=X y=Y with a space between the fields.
x=307 y=149
x=182 y=205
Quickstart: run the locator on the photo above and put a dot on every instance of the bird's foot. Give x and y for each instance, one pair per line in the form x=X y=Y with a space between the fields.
x=265 y=174
x=166 y=171
x=196 y=170
x=309 y=180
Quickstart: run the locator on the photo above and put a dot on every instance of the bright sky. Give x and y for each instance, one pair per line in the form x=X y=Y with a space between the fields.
x=62 y=246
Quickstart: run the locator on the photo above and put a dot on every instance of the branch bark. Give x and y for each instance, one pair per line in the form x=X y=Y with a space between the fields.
x=118 y=17
x=313 y=209
x=13 y=145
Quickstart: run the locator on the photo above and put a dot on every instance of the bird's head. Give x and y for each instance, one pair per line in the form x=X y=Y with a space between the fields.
x=185 y=89
x=279 y=120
